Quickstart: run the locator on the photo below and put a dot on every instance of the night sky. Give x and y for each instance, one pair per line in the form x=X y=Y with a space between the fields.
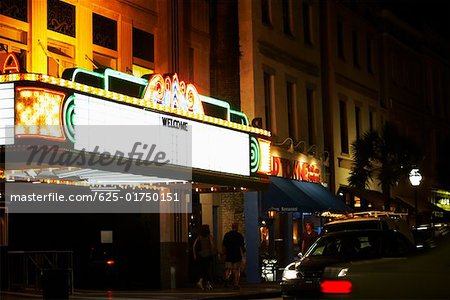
x=423 y=13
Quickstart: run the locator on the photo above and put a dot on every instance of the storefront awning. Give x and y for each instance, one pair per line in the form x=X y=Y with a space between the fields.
x=292 y=195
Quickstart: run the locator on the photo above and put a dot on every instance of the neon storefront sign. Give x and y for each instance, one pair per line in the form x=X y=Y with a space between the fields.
x=295 y=169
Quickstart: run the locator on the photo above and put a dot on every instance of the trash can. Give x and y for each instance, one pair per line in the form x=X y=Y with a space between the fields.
x=55 y=284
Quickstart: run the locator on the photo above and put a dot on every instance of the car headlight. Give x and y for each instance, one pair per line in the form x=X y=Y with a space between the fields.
x=289 y=272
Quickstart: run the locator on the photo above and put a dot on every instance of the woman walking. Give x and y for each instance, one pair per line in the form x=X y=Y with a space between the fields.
x=204 y=249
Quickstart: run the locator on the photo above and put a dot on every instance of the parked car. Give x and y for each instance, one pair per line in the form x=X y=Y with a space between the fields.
x=341 y=247
x=371 y=220
x=423 y=276
x=427 y=236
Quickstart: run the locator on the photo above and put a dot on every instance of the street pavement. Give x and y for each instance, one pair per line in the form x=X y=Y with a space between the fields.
x=246 y=291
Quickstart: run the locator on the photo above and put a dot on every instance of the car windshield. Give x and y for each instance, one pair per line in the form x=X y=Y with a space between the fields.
x=358 y=244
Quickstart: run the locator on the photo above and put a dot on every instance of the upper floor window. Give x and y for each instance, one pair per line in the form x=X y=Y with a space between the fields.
x=61 y=17
x=343 y=126
x=358 y=121
x=16 y=9
x=287 y=17
x=143 y=45
x=60 y=57
x=355 y=48
x=265 y=8
x=143 y=52
x=102 y=60
x=104 y=32
x=369 y=54
x=311 y=116
x=268 y=91
x=340 y=39
x=306 y=12
x=18 y=48
x=292 y=109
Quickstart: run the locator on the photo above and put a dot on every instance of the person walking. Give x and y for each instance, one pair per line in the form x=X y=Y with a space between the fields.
x=308 y=237
x=233 y=248
x=204 y=249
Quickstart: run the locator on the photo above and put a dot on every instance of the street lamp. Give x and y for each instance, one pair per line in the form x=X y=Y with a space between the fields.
x=271 y=213
x=415 y=178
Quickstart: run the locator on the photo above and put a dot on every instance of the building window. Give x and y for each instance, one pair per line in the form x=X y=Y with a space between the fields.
x=19 y=49
x=306 y=11
x=140 y=71
x=143 y=45
x=287 y=17
x=60 y=57
x=16 y=9
x=311 y=116
x=343 y=126
x=104 y=61
x=268 y=84
x=371 y=120
x=369 y=54
x=358 y=121
x=265 y=7
x=355 y=48
x=143 y=52
x=104 y=32
x=292 y=108
x=61 y=17
x=340 y=39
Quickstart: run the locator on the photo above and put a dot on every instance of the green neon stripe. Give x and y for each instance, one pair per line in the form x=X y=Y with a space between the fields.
x=255 y=156
x=240 y=114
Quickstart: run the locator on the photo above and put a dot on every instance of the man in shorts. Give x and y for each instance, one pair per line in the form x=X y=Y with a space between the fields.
x=233 y=248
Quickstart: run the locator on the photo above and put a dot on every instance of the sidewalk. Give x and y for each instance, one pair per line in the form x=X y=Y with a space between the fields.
x=247 y=291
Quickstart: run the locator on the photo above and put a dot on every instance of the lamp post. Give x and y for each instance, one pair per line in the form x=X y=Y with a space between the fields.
x=415 y=178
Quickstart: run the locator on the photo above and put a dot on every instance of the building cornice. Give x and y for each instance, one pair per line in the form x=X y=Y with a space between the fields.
x=356 y=86
x=282 y=56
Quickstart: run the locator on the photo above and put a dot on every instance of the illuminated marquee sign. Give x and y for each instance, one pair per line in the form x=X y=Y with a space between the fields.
x=220 y=143
x=9 y=63
x=127 y=89
x=295 y=169
x=213 y=148
x=170 y=92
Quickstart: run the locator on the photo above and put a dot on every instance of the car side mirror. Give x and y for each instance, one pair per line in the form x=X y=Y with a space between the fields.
x=300 y=255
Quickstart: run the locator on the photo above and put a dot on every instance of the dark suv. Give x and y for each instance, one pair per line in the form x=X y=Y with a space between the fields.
x=340 y=247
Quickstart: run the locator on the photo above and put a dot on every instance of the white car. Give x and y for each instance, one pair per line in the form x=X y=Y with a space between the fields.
x=424 y=276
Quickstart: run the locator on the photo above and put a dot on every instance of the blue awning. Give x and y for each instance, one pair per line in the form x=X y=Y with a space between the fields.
x=292 y=195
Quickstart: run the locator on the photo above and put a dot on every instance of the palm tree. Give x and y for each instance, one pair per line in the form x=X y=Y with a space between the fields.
x=385 y=156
